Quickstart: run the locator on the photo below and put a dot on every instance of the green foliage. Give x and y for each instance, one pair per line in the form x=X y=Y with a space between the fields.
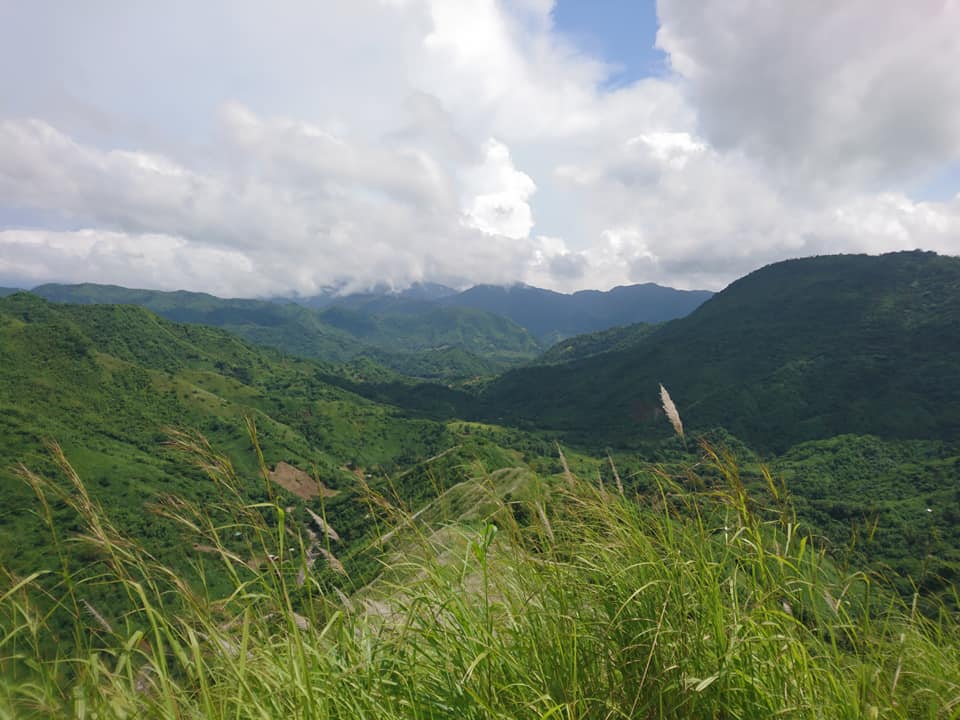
x=108 y=381
x=560 y=598
x=417 y=338
x=896 y=504
x=552 y=316
x=800 y=350
x=473 y=574
x=584 y=346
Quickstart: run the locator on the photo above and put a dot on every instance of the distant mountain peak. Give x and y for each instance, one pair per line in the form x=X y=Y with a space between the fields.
x=553 y=316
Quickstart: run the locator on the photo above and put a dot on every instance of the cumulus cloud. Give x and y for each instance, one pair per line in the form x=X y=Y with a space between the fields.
x=496 y=195
x=863 y=91
x=302 y=207
x=466 y=141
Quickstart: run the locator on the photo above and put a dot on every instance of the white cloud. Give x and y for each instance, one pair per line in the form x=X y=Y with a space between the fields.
x=156 y=261
x=247 y=149
x=862 y=91
x=674 y=209
x=496 y=195
x=305 y=208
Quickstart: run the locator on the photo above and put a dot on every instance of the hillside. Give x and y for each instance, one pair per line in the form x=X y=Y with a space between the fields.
x=892 y=503
x=108 y=382
x=553 y=316
x=287 y=327
x=509 y=596
x=550 y=316
x=596 y=343
x=417 y=325
x=414 y=337
x=796 y=351
x=444 y=531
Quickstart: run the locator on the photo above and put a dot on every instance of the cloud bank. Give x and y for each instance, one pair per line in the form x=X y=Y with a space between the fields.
x=242 y=150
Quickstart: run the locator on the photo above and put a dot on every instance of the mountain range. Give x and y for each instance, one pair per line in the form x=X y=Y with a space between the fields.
x=413 y=337
x=553 y=316
x=426 y=331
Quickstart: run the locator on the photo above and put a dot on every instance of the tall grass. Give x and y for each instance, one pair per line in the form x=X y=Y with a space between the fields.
x=574 y=601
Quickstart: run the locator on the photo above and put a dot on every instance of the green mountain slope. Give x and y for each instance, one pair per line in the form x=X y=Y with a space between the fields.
x=107 y=381
x=799 y=350
x=553 y=316
x=897 y=502
x=287 y=327
x=596 y=343
x=422 y=325
x=512 y=596
x=410 y=336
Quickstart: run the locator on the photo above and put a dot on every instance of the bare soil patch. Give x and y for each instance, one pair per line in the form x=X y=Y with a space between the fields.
x=298 y=482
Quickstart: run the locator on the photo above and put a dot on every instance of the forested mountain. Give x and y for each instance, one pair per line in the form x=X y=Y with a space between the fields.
x=428 y=330
x=798 y=350
x=553 y=316
x=414 y=337
x=4 y=291
x=109 y=382
x=596 y=343
x=550 y=316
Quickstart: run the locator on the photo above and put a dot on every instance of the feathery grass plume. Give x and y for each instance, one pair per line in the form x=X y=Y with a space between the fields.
x=566 y=468
x=101 y=620
x=671 y=410
x=333 y=561
x=616 y=475
x=322 y=524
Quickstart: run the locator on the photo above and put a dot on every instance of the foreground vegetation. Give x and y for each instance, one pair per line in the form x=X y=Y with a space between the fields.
x=509 y=596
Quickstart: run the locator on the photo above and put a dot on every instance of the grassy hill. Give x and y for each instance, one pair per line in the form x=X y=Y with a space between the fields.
x=415 y=325
x=893 y=504
x=800 y=350
x=288 y=327
x=410 y=336
x=107 y=382
x=549 y=597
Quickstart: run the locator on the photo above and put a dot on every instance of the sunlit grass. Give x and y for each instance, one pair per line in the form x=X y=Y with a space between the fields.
x=562 y=599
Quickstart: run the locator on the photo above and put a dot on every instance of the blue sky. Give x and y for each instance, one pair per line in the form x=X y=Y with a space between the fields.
x=942 y=186
x=622 y=32
x=248 y=148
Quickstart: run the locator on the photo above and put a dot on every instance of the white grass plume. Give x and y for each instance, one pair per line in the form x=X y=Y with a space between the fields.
x=671 y=410
x=324 y=527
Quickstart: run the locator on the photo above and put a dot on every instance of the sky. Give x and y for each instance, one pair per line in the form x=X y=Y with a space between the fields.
x=254 y=148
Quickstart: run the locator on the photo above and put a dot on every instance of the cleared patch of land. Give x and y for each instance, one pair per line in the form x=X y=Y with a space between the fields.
x=298 y=482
